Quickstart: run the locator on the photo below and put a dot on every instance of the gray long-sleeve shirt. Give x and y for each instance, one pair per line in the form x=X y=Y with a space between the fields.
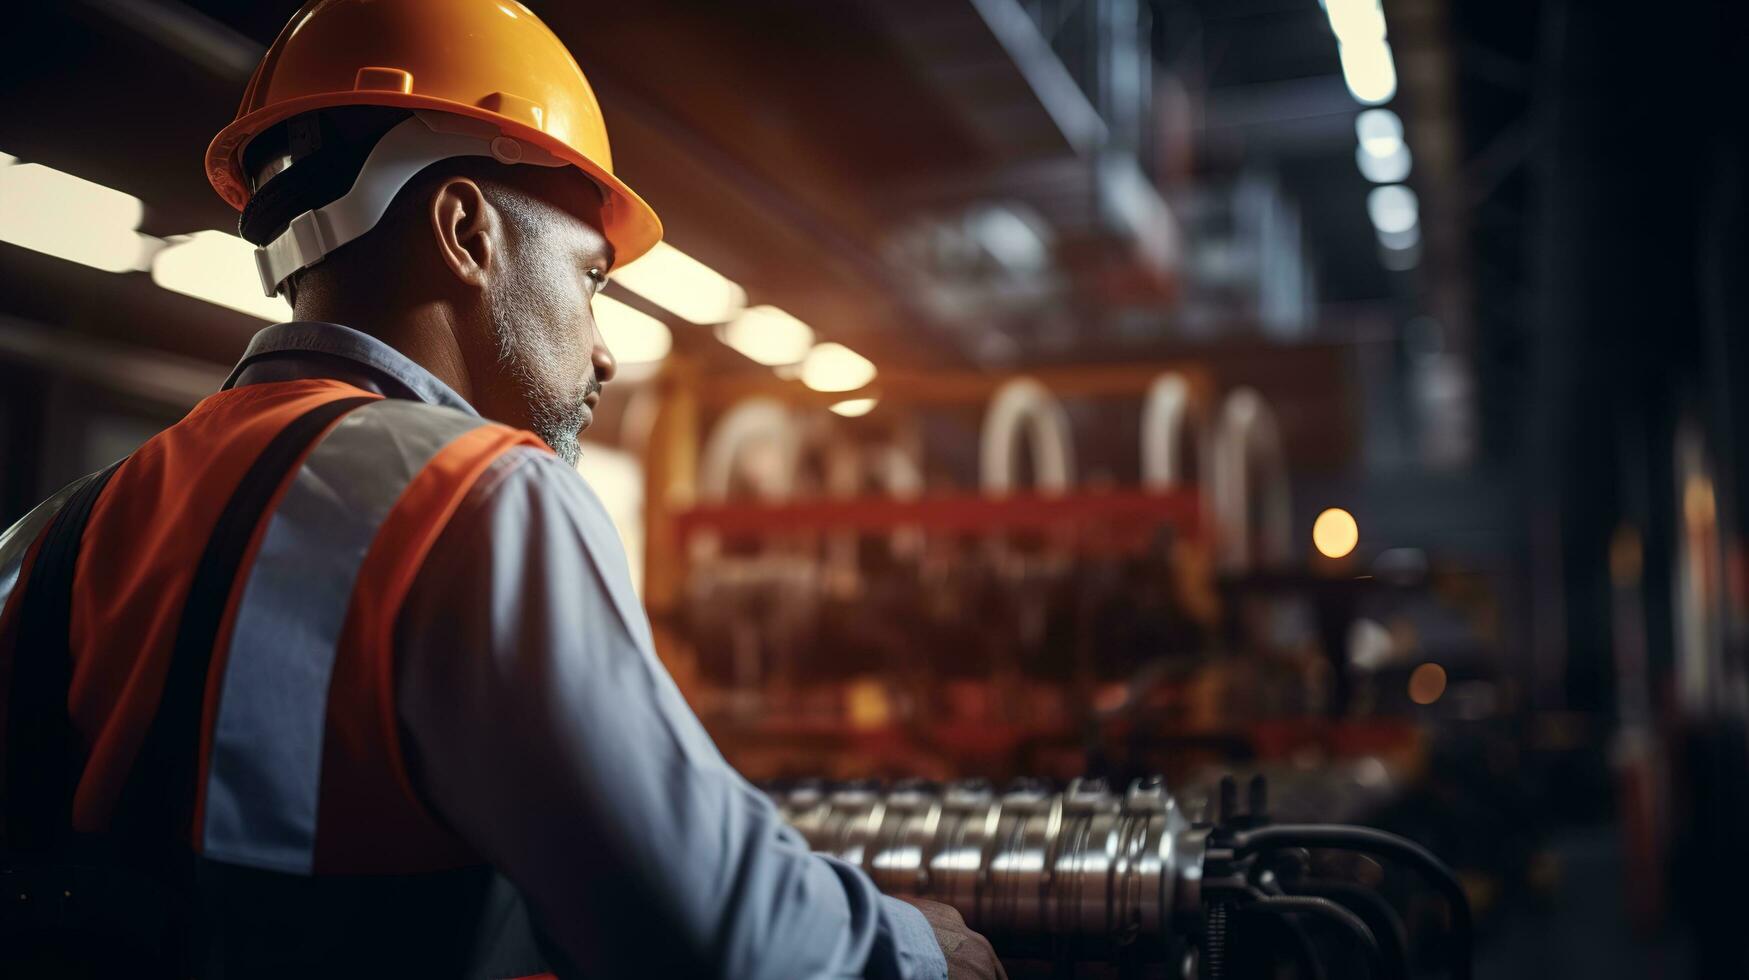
x=543 y=729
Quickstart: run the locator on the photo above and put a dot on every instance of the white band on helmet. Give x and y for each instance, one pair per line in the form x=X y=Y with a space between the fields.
x=408 y=148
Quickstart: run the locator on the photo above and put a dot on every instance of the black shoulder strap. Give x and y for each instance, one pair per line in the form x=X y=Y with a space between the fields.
x=159 y=796
x=39 y=732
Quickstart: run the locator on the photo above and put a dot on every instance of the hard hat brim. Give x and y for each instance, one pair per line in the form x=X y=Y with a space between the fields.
x=630 y=224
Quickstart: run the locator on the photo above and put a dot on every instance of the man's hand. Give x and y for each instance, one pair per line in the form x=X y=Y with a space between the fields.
x=969 y=955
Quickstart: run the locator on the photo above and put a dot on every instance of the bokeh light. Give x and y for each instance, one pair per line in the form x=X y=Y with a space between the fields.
x=835 y=367
x=634 y=337
x=683 y=286
x=219 y=268
x=1393 y=209
x=1427 y=683
x=72 y=218
x=769 y=336
x=1379 y=131
x=1369 y=71
x=1335 y=533
x=854 y=408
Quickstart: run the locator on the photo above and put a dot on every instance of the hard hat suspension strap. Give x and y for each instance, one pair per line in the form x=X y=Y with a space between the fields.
x=404 y=151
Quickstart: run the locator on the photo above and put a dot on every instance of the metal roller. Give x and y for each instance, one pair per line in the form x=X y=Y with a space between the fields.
x=1088 y=873
x=1084 y=863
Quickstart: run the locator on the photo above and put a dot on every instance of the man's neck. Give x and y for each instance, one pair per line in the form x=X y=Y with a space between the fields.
x=426 y=335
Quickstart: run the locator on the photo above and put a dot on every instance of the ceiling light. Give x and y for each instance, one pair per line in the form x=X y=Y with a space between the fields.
x=1393 y=209
x=1388 y=168
x=218 y=268
x=1379 y=131
x=855 y=408
x=1356 y=21
x=1369 y=71
x=835 y=367
x=71 y=218
x=634 y=337
x=683 y=286
x=769 y=336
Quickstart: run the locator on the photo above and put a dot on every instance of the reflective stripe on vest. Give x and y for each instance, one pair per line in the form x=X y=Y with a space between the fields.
x=264 y=776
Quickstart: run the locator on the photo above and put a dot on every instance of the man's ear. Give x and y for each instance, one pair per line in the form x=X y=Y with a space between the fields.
x=467 y=230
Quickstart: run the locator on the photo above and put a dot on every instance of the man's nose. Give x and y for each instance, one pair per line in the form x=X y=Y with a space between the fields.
x=605 y=365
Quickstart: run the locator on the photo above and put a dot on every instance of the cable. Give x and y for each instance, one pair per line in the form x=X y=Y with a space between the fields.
x=1331 y=912
x=1310 y=966
x=1386 y=925
x=1381 y=844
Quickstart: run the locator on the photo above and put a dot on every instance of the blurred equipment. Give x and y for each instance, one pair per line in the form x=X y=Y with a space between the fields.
x=1088 y=874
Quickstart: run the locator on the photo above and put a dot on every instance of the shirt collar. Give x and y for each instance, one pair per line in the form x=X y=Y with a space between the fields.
x=314 y=337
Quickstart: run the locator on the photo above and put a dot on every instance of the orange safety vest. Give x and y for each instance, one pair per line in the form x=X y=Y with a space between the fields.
x=223 y=634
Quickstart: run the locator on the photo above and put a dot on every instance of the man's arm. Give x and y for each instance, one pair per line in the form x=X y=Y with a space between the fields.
x=543 y=729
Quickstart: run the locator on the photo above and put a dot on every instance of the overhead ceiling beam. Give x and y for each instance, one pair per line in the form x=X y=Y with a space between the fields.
x=177 y=382
x=1321 y=97
x=1051 y=83
x=188 y=32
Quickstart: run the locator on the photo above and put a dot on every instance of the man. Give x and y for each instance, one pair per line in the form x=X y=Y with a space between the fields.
x=355 y=644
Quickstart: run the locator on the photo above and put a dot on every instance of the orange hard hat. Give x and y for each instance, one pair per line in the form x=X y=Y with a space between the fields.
x=488 y=60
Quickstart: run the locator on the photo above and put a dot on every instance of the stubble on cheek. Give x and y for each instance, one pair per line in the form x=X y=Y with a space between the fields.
x=542 y=367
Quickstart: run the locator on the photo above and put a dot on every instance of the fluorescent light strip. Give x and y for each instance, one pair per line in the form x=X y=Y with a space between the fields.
x=769 y=336
x=1369 y=71
x=683 y=286
x=835 y=367
x=854 y=408
x=68 y=217
x=1356 y=21
x=72 y=218
x=634 y=337
x=217 y=268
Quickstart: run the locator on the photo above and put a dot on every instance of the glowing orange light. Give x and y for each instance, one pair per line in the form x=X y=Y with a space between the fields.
x=1335 y=533
x=1427 y=684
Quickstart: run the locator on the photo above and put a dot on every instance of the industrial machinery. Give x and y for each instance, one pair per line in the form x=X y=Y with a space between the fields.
x=1127 y=881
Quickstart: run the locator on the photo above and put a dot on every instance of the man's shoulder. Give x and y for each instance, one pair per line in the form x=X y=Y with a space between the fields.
x=530 y=518
x=529 y=484
x=404 y=438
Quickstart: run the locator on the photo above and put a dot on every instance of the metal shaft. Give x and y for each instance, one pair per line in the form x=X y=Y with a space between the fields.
x=1083 y=864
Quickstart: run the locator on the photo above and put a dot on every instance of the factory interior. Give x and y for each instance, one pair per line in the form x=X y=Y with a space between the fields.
x=1269 y=412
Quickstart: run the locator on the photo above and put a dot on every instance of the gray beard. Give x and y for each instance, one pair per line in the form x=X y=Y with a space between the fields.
x=557 y=417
